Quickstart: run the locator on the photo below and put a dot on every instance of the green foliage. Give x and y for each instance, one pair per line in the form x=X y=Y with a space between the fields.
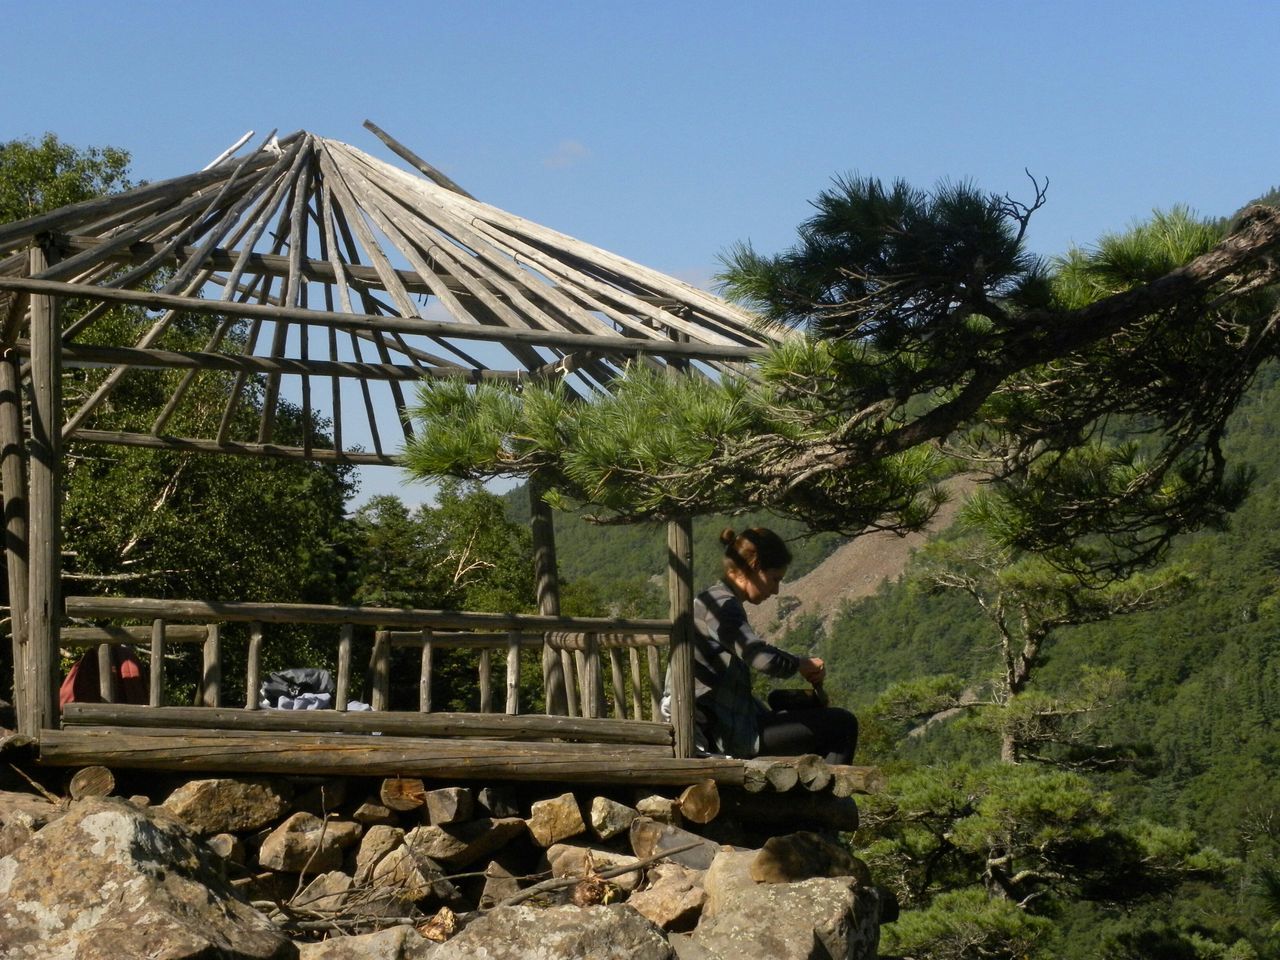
x=966 y=925
x=37 y=177
x=462 y=553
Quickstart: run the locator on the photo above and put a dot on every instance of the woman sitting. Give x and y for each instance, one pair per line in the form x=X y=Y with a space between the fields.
x=728 y=718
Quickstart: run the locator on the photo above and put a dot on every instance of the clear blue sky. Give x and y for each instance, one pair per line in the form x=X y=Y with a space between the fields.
x=666 y=131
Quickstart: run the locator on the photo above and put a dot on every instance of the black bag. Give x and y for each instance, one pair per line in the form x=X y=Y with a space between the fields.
x=294 y=681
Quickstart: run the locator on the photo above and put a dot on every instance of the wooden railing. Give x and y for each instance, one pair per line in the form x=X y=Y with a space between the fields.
x=583 y=642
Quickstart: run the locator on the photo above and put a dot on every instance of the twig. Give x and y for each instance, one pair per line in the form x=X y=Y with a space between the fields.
x=558 y=883
x=45 y=793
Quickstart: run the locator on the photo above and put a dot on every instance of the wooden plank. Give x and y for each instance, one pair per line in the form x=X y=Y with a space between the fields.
x=139 y=608
x=625 y=346
x=404 y=153
x=44 y=575
x=680 y=666
x=337 y=755
x=800 y=809
x=495 y=726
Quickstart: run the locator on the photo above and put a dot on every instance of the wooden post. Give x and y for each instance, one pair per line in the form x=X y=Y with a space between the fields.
x=44 y=582
x=513 y=671
x=382 y=670
x=680 y=590
x=211 y=686
x=253 y=668
x=157 y=663
x=548 y=587
x=106 y=676
x=345 y=636
x=593 y=679
x=486 y=681
x=13 y=475
x=425 y=674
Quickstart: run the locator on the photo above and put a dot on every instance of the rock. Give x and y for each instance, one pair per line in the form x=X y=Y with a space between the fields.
x=322 y=799
x=614 y=932
x=497 y=803
x=803 y=856
x=499 y=885
x=371 y=813
x=304 y=842
x=405 y=877
x=449 y=805
x=28 y=809
x=459 y=845
x=140 y=800
x=378 y=841
x=568 y=860
x=394 y=943
x=555 y=819
x=109 y=881
x=228 y=847
x=650 y=838
x=325 y=894
x=662 y=809
x=822 y=917
x=228 y=806
x=610 y=818
x=673 y=898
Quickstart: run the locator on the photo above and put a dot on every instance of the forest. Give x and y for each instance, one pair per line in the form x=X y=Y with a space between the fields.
x=1078 y=722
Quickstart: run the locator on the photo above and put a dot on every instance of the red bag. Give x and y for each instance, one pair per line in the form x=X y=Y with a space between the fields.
x=82 y=683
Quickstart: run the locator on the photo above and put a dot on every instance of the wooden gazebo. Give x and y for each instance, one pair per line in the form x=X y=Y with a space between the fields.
x=331 y=265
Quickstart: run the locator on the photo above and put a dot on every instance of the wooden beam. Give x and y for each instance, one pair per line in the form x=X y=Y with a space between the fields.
x=337 y=755
x=13 y=476
x=471 y=726
x=123 y=438
x=626 y=346
x=134 y=608
x=44 y=582
x=404 y=153
x=78 y=355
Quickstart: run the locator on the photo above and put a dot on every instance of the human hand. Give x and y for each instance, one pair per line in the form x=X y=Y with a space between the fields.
x=813 y=669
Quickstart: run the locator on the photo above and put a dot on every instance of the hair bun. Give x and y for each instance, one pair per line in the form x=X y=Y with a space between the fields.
x=727 y=536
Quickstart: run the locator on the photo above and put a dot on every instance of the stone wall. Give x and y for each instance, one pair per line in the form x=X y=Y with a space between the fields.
x=347 y=868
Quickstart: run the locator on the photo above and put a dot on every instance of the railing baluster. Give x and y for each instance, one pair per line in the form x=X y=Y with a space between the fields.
x=157 y=663
x=424 y=675
x=211 y=686
x=513 y=672
x=253 y=668
x=486 y=681
x=346 y=634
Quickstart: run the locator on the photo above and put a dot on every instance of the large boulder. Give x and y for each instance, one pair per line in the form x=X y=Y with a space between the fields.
x=672 y=898
x=819 y=918
x=615 y=932
x=111 y=880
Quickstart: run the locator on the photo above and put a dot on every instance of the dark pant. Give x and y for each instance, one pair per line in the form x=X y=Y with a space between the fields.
x=830 y=732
